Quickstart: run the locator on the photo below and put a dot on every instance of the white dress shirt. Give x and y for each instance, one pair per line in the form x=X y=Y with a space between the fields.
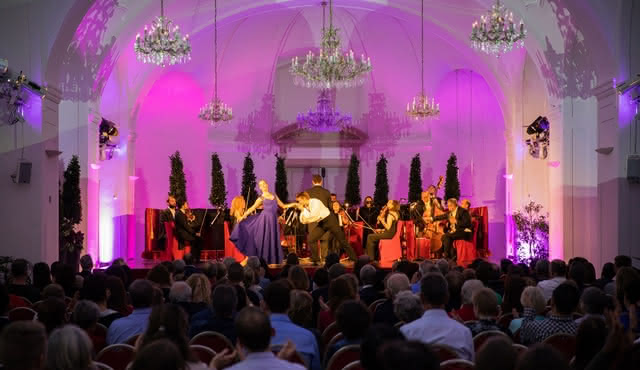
x=436 y=327
x=314 y=212
x=548 y=286
x=265 y=361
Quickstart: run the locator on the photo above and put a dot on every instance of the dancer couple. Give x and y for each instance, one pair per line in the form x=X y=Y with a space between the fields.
x=259 y=235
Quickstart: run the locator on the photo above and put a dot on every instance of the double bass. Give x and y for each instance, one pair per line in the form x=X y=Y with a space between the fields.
x=434 y=229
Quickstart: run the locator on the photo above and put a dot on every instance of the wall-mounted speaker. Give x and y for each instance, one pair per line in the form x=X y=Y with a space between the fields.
x=323 y=171
x=23 y=173
x=633 y=168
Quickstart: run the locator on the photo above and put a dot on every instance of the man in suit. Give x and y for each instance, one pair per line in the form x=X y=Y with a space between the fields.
x=166 y=215
x=316 y=191
x=185 y=232
x=459 y=226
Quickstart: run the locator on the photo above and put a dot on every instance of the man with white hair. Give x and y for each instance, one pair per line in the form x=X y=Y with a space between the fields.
x=368 y=293
x=180 y=292
x=469 y=287
x=425 y=267
x=396 y=283
x=407 y=307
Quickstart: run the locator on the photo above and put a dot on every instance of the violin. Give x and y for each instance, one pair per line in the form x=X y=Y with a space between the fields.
x=190 y=216
x=434 y=230
x=383 y=213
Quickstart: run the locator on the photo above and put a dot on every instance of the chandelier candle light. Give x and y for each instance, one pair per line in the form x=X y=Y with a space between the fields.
x=215 y=110
x=330 y=69
x=324 y=119
x=420 y=107
x=496 y=33
x=163 y=44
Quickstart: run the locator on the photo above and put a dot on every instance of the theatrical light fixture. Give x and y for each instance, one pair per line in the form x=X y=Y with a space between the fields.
x=163 y=44
x=108 y=139
x=324 y=119
x=496 y=33
x=421 y=107
x=330 y=68
x=216 y=110
x=538 y=141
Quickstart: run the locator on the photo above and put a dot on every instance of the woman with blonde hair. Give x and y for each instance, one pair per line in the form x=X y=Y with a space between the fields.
x=238 y=207
x=532 y=299
x=200 y=290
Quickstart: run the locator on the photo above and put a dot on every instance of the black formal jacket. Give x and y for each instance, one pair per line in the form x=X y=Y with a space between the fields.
x=418 y=211
x=321 y=194
x=463 y=219
x=165 y=216
x=184 y=230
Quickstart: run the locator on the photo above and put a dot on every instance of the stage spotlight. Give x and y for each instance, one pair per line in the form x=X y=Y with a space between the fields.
x=108 y=139
x=538 y=141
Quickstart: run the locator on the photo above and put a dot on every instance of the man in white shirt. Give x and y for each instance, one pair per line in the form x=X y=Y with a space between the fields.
x=558 y=276
x=313 y=210
x=435 y=326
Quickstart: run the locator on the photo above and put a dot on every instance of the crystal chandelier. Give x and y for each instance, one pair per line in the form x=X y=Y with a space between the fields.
x=496 y=33
x=330 y=69
x=420 y=107
x=215 y=110
x=324 y=119
x=163 y=44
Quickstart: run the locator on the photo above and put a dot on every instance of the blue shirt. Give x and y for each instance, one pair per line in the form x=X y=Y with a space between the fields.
x=122 y=329
x=304 y=340
x=415 y=287
x=264 y=361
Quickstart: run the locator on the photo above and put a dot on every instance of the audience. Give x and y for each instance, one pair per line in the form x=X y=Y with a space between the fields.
x=374 y=339
x=593 y=303
x=19 y=281
x=69 y=348
x=95 y=290
x=340 y=290
x=141 y=292
x=466 y=313
x=558 y=276
x=85 y=316
x=496 y=354
x=486 y=309
x=23 y=346
x=353 y=319
x=632 y=306
x=4 y=307
x=117 y=297
x=86 y=264
x=301 y=311
x=219 y=319
x=368 y=293
x=407 y=355
x=321 y=282
x=541 y=357
x=253 y=262
x=41 y=276
x=298 y=278
x=534 y=305
x=162 y=354
x=407 y=307
x=384 y=314
x=52 y=313
x=590 y=339
x=200 y=294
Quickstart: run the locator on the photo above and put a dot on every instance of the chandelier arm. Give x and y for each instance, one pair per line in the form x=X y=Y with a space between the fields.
x=215 y=50
x=422 y=47
x=330 y=14
x=162 y=8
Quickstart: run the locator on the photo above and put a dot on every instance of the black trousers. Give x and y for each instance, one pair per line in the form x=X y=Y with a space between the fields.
x=449 y=238
x=329 y=224
x=373 y=240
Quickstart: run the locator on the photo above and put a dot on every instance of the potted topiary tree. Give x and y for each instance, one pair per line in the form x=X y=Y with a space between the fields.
x=532 y=238
x=70 y=215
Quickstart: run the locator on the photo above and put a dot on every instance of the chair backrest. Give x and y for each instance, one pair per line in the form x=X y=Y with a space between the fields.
x=295 y=357
x=374 y=305
x=480 y=339
x=22 y=314
x=520 y=349
x=329 y=332
x=333 y=341
x=343 y=357
x=101 y=366
x=204 y=354
x=516 y=336
x=132 y=340
x=355 y=365
x=214 y=340
x=457 y=364
x=117 y=356
x=505 y=320
x=444 y=352
x=100 y=330
x=565 y=343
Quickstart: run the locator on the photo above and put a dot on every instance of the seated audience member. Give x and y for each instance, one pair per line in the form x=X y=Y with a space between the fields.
x=180 y=294
x=160 y=277
x=563 y=303
x=171 y=268
x=66 y=278
x=541 y=270
x=4 y=307
x=396 y=283
x=169 y=321
x=254 y=336
x=85 y=316
x=95 y=290
x=86 y=263
x=368 y=293
x=117 y=298
x=454 y=281
x=632 y=306
x=513 y=287
x=69 y=348
x=220 y=319
x=578 y=273
x=254 y=263
x=141 y=292
x=235 y=273
x=496 y=354
x=190 y=265
x=435 y=326
x=468 y=289
x=424 y=268
x=606 y=276
x=619 y=263
x=321 y=282
x=359 y=264
x=624 y=276
x=486 y=309
x=41 y=275
x=23 y=346
x=374 y=339
x=53 y=291
x=210 y=270
x=301 y=308
x=162 y=354
x=336 y=270
x=590 y=338
x=251 y=282
x=541 y=357
x=533 y=304
x=340 y=290
x=407 y=307
x=298 y=278
x=558 y=276
x=19 y=281
x=277 y=299
x=200 y=293
x=353 y=319
x=593 y=303
x=178 y=270
x=330 y=260
x=408 y=355
x=52 y=313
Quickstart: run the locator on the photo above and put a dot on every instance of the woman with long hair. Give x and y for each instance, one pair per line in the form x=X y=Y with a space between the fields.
x=238 y=207
x=388 y=217
x=340 y=290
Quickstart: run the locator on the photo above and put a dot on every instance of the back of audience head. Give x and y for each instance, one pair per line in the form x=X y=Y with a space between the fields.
x=360 y=263
x=23 y=346
x=565 y=298
x=118 y=271
x=376 y=336
x=254 y=329
x=513 y=288
x=608 y=271
x=469 y=274
x=160 y=355
x=397 y=283
x=532 y=297
x=117 y=299
x=301 y=309
x=336 y=270
x=69 y=349
x=228 y=261
x=180 y=292
x=454 y=281
x=141 y=293
x=623 y=277
x=321 y=277
x=254 y=263
x=86 y=262
x=85 y=314
x=250 y=277
x=542 y=269
x=210 y=270
x=352 y=280
x=340 y=290
x=95 y=288
x=52 y=313
x=331 y=259
x=353 y=318
x=505 y=265
x=368 y=275
x=558 y=268
x=593 y=301
x=292 y=259
x=19 y=269
x=632 y=293
x=298 y=278
x=169 y=321
x=408 y=355
x=225 y=300
x=443 y=266
x=468 y=288
x=53 y=291
x=277 y=296
x=542 y=356
x=407 y=307
x=179 y=266
x=485 y=304
x=160 y=276
x=200 y=288
x=235 y=273
x=578 y=273
x=434 y=291
x=222 y=271
x=622 y=261
x=496 y=354
x=590 y=338
x=41 y=275
x=188 y=259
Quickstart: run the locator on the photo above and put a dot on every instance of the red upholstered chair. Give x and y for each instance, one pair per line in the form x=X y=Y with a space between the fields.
x=15 y=302
x=213 y=340
x=355 y=365
x=295 y=357
x=133 y=340
x=344 y=357
x=331 y=342
x=98 y=336
x=480 y=339
x=22 y=314
x=354 y=237
x=172 y=241
x=374 y=305
x=565 y=343
x=444 y=352
x=457 y=364
x=101 y=366
x=204 y=354
x=391 y=249
x=116 y=356
x=410 y=236
x=329 y=333
x=230 y=249
x=423 y=248
x=466 y=250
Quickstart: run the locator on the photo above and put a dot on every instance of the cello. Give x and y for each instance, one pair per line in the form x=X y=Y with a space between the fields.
x=435 y=229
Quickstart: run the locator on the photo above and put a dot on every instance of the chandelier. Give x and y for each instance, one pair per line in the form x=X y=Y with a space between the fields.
x=163 y=44
x=420 y=107
x=215 y=110
x=331 y=68
x=496 y=33
x=324 y=119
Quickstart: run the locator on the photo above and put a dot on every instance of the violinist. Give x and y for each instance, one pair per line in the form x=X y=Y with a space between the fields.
x=368 y=215
x=343 y=219
x=388 y=218
x=460 y=226
x=187 y=232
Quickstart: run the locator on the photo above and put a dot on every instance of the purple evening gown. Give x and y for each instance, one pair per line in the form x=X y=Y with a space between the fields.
x=259 y=235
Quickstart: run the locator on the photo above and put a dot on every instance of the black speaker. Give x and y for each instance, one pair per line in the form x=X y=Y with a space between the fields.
x=323 y=171
x=24 y=173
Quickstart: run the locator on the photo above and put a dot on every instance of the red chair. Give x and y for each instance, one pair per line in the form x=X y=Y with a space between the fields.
x=329 y=332
x=22 y=314
x=423 y=248
x=355 y=234
x=204 y=354
x=15 y=302
x=98 y=336
x=466 y=250
x=482 y=338
x=295 y=357
x=391 y=249
x=117 y=356
x=101 y=366
x=132 y=340
x=344 y=357
x=374 y=305
x=211 y=339
x=355 y=365
x=520 y=349
x=333 y=341
x=458 y=364
x=505 y=320
x=444 y=352
x=410 y=237
x=565 y=343
x=230 y=249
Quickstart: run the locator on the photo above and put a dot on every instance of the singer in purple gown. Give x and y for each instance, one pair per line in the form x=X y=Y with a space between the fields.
x=259 y=235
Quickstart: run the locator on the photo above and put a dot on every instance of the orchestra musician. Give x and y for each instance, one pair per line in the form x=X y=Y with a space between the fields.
x=459 y=226
x=388 y=217
x=166 y=215
x=368 y=214
x=187 y=231
x=238 y=207
x=343 y=219
x=317 y=191
x=466 y=204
